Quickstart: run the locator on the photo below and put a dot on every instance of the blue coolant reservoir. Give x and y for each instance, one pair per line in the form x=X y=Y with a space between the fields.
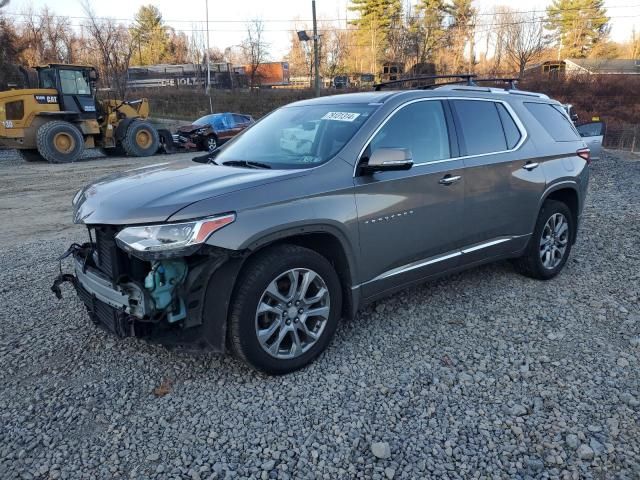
x=161 y=283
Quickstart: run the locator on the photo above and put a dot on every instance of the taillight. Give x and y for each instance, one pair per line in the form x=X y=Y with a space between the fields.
x=585 y=154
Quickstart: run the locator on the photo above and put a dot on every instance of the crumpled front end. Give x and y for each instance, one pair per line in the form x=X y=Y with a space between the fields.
x=178 y=302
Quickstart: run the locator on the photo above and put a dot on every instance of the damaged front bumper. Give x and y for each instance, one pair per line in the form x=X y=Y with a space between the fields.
x=185 y=309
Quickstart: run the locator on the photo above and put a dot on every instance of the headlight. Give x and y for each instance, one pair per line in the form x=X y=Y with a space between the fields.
x=201 y=131
x=171 y=239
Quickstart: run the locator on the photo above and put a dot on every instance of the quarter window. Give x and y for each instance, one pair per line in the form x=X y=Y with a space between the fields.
x=420 y=127
x=511 y=132
x=553 y=121
x=481 y=126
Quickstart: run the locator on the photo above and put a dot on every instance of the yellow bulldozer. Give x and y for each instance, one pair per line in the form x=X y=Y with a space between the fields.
x=62 y=117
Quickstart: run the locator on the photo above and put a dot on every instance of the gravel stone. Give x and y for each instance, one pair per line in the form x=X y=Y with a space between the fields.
x=623 y=362
x=596 y=446
x=585 y=452
x=519 y=410
x=268 y=465
x=629 y=399
x=572 y=441
x=535 y=464
x=381 y=450
x=481 y=374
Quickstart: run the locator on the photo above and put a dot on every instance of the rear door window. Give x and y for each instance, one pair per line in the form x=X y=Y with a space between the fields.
x=481 y=127
x=554 y=121
x=240 y=120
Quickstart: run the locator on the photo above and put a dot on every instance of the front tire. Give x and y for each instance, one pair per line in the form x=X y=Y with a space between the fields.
x=209 y=144
x=59 y=142
x=141 y=139
x=285 y=309
x=550 y=244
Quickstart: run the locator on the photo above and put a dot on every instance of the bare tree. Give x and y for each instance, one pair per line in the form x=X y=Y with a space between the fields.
x=46 y=37
x=335 y=45
x=525 y=39
x=255 y=49
x=300 y=55
x=113 y=47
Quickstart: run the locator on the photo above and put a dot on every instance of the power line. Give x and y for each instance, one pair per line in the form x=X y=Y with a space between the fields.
x=297 y=20
x=291 y=30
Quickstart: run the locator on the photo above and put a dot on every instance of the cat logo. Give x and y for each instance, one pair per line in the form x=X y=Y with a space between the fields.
x=47 y=99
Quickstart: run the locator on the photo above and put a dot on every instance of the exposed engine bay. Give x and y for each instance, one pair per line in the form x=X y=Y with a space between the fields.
x=148 y=298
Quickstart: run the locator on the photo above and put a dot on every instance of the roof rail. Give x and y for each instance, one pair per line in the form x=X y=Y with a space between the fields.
x=512 y=82
x=466 y=78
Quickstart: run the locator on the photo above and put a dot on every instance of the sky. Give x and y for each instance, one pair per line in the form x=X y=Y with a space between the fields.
x=227 y=18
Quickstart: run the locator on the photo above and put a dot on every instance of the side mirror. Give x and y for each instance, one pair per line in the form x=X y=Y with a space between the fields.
x=388 y=159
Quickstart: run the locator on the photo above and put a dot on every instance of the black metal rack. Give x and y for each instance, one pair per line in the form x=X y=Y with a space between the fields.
x=512 y=82
x=465 y=79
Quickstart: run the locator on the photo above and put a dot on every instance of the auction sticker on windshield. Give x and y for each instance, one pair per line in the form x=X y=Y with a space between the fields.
x=341 y=116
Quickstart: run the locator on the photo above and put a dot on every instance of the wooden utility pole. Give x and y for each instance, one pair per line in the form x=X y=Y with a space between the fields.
x=207 y=57
x=316 y=60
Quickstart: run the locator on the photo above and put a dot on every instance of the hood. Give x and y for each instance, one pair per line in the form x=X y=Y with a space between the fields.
x=152 y=194
x=191 y=128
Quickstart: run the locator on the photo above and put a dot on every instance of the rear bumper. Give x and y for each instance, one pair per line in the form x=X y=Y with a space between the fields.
x=206 y=292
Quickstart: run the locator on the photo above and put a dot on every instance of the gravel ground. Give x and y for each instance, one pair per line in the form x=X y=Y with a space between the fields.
x=482 y=374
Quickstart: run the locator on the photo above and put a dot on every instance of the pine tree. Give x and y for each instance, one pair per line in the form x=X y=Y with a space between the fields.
x=426 y=30
x=460 y=34
x=151 y=37
x=579 y=25
x=376 y=19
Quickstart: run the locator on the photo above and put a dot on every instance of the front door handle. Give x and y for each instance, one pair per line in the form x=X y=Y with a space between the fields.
x=531 y=165
x=449 y=180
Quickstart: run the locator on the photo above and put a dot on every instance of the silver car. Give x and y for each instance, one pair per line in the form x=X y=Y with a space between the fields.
x=593 y=134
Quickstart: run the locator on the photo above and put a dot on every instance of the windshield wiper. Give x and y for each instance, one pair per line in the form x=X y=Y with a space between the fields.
x=246 y=163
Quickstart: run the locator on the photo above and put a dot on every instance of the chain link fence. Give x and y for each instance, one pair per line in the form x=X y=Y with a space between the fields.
x=622 y=137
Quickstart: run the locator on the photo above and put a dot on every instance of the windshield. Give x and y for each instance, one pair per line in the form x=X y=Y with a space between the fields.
x=299 y=136
x=209 y=119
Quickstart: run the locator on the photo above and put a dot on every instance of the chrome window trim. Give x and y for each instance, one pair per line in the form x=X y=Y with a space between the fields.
x=523 y=131
x=423 y=263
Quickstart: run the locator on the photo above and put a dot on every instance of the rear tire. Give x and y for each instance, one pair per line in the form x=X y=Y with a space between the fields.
x=141 y=139
x=59 y=142
x=301 y=316
x=550 y=244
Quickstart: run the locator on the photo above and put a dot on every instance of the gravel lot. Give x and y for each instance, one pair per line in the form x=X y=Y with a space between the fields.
x=482 y=374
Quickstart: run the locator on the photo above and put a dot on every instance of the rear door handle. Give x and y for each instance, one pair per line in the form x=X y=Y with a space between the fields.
x=449 y=180
x=531 y=165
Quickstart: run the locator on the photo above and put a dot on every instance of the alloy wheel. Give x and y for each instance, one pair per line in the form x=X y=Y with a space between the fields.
x=292 y=313
x=212 y=144
x=554 y=241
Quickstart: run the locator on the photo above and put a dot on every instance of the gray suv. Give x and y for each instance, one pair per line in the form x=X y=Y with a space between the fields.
x=323 y=206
